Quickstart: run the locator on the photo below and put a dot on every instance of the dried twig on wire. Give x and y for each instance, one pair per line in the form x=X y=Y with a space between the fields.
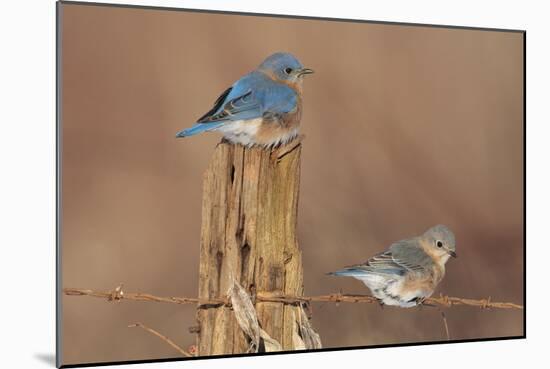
x=443 y=317
x=247 y=318
x=445 y=324
x=245 y=313
x=162 y=337
x=444 y=301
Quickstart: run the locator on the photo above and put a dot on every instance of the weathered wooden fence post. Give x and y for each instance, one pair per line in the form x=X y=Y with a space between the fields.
x=249 y=214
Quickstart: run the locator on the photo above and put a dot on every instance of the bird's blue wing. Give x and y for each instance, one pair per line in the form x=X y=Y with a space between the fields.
x=253 y=96
x=382 y=263
x=218 y=104
x=278 y=99
x=238 y=102
x=410 y=255
x=402 y=257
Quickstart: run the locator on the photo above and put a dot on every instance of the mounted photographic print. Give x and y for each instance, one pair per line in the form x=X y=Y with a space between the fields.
x=248 y=184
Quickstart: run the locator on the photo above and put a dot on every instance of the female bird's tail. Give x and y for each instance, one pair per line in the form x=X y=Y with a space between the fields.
x=349 y=272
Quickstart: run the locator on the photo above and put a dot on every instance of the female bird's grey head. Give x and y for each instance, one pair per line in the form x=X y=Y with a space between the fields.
x=441 y=239
x=284 y=67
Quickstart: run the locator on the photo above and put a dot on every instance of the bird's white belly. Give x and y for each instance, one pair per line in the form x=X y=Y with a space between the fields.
x=247 y=133
x=241 y=131
x=390 y=290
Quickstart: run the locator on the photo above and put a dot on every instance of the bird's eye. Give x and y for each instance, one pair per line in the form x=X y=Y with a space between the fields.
x=439 y=244
x=288 y=70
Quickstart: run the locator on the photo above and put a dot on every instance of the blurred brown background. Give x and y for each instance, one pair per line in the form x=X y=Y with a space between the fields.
x=406 y=127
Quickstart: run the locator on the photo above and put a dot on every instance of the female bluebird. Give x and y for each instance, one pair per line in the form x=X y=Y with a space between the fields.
x=262 y=108
x=408 y=272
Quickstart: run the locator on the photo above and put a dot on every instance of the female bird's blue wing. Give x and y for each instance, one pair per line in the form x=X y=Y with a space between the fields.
x=382 y=263
x=410 y=255
x=401 y=257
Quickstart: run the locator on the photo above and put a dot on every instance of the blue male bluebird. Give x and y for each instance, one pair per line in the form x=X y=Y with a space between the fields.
x=262 y=108
x=409 y=270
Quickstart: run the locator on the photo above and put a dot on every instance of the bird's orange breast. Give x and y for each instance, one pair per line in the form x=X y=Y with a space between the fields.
x=279 y=128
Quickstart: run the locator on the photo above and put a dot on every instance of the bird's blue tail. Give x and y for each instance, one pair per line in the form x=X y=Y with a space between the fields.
x=362 y=272
x=199 y=128
x=349 y=272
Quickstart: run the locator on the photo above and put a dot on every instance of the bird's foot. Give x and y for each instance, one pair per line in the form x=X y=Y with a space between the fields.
x=421 y=301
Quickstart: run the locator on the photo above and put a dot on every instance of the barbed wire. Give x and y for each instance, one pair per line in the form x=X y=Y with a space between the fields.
x=118 y=294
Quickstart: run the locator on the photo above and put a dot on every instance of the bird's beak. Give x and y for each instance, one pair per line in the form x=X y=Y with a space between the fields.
x=453 y=254
x=305 y=71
